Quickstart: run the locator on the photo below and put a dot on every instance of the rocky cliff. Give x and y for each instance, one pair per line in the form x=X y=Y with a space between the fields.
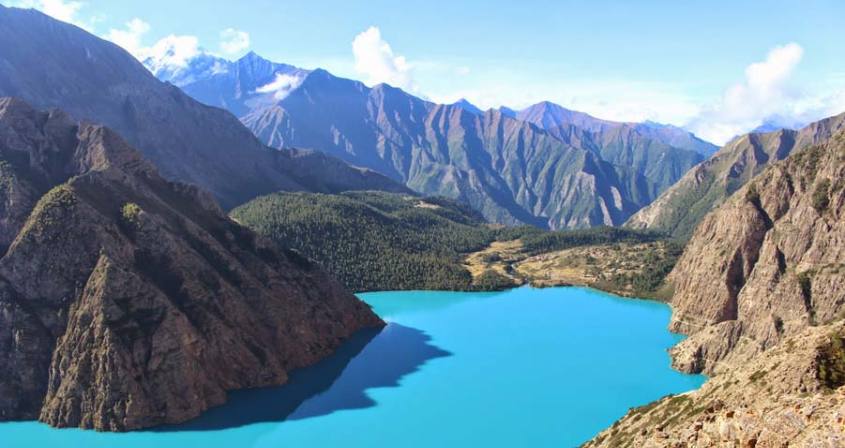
x=766 y=263
x=679 y=209
x=759 y=290
x=128 y=301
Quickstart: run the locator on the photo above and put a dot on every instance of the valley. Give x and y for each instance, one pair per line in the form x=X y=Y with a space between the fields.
x=384 y=241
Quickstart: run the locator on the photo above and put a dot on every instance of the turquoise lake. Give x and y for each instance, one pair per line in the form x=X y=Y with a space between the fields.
x=526 y=367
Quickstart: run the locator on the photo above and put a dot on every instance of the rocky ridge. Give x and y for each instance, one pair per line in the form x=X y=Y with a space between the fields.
x=759 y=291
x=128 y=301
x=680 y=208
x=766 y=264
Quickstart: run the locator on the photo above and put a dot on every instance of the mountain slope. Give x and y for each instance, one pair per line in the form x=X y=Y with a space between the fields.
x=661 y=153
x=791 y=395
x=53 y=64
x=680 y=208
x=509 y=170
x=549 y=116
x=373 y=241
x=760 y=292
x=451 y=150
x=127 y=301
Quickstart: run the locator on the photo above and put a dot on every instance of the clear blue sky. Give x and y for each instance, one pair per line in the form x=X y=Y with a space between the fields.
x=666 y=60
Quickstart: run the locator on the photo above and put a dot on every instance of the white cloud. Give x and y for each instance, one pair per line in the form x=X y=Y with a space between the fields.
x=130 y=37
x=765 y=92
x=64 y=10
x=375 y=60
x=233 y=41
x=281 y=86
x=462 y=70
x=173 y=50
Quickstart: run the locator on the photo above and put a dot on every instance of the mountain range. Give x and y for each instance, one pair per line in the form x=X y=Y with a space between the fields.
x=129 y=299
x=544 y=165
x=93 y=79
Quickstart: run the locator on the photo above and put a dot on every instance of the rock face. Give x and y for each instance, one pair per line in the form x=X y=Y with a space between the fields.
x=128 y=301
x=680 y=208
x=766 y=264
x=51 y=64
x=791 y=395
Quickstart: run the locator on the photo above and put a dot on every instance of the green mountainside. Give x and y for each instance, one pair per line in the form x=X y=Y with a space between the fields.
x=371 y=240
x=386 y=241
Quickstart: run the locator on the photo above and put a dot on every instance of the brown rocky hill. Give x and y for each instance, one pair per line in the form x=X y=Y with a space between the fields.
x=49 y=64
x=128 y=301
x=760 y=290
x=680 y=208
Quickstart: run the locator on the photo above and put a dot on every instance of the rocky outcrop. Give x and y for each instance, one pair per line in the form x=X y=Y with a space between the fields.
x=791 y=395
x=127 y=301
x=51 y=64
x=766 y=264
x=679 y=209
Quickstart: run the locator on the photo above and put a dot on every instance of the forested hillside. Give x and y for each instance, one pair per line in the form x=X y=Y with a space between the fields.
x=372 y=240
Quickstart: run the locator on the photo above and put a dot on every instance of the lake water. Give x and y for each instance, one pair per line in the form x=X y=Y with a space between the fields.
x=526 y=367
